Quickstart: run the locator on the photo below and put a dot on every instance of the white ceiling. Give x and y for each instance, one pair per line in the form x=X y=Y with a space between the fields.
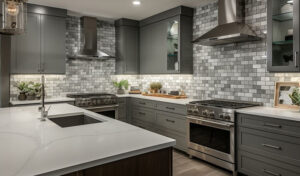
x=115 y=9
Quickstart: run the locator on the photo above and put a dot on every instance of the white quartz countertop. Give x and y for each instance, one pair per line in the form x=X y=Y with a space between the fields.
x=285 y=114
x=31 y=147
x=167 y=100
x=47 y=100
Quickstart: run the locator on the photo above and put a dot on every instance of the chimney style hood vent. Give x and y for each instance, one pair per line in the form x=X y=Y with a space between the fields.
x=231 y=28
x=89 y=44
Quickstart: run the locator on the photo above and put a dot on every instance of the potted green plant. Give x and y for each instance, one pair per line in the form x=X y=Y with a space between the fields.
x=155 y=86
x=38 y=90
x=23 y=90
x=295 y=96
x=121 y=86
x=31 y=94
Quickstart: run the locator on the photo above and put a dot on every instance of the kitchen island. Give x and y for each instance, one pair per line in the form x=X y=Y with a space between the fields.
x=31 y=147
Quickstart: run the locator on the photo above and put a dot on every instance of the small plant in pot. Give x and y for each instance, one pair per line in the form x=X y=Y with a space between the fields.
x=23 y=90
x=38 y=90
x=122 y=85
x=31 y=94
x=295 y=96
x=155 y=86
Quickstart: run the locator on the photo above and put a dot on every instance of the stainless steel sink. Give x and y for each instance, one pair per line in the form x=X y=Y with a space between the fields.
x=74 y=120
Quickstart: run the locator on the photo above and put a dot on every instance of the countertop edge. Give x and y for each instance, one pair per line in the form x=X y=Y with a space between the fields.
x=109 y=159
x=159 y=99
x=50 y=100
x=262 y=112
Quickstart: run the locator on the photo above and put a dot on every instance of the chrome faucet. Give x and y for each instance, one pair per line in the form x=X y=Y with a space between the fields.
x=42 y=109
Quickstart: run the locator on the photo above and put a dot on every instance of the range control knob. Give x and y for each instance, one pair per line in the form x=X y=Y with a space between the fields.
x=212 y=114
x=205 y=113
x=227 y=117
x=221 y=116
x=195 y=110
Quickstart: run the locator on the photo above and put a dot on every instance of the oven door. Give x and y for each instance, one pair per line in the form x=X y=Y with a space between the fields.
x=108 y=111
x=212 y=137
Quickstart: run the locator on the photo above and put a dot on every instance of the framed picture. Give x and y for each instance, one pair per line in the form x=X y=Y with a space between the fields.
x=282 y=92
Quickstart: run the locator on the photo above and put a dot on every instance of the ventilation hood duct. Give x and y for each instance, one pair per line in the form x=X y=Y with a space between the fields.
x=231 y=28
x=89 y=46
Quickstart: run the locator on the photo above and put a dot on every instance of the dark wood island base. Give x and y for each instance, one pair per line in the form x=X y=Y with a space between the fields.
x=157 y=163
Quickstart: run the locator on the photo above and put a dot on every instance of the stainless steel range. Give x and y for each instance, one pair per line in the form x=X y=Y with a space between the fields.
x=101 y=103
x=211 y=130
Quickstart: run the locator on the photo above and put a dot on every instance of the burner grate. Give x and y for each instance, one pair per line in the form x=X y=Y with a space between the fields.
x=224 y=104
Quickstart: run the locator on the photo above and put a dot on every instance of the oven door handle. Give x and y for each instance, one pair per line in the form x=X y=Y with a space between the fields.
x=102 y=108
x=220 y=125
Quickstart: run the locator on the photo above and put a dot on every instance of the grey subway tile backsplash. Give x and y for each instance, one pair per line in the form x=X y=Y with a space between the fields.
x=233 y=71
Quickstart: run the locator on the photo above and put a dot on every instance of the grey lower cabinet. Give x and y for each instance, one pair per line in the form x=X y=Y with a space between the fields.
x=122 y=109
x=166 y=42
x=268 y=146
x=127 y=46
x=163 y=118
x=41 y=49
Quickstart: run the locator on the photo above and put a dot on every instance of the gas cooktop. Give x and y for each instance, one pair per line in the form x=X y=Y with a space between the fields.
x=93 y=99
x=228 y=104
x=90 y=95
x=217 y=109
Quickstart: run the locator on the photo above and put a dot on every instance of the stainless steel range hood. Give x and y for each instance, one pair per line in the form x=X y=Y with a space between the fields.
x=231 y=28
x=89 y=46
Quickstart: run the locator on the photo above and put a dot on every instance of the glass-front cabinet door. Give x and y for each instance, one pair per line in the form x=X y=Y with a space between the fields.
x=283 y=35
x=173 y=46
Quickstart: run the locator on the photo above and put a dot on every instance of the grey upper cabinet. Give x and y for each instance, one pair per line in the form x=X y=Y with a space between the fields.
x=153 y=48
x=283 y=36
x=41 y=49
x=53 y=52
x=166 y=42
x=127 y=46
x=26 y=48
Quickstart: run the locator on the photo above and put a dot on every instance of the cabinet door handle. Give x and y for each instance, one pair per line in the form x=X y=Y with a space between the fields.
x=296 y=59
x=271 y=146
x=172 y=121
x=170 y=108
x=272 y=125
x=141 y=113
x=39 y=68
x=142 y=103
x=43 y=67
x=271 y=173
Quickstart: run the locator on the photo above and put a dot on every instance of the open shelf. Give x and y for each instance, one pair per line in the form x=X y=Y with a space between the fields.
x=283 y=17
x=287 y=42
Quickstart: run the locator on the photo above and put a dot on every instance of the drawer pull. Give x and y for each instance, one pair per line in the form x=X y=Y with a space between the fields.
x=170 y=108
x=141 y=113
x=172 y=121
x=271 y=173
x=271 y=146
x=272 y=125
x=142 y=103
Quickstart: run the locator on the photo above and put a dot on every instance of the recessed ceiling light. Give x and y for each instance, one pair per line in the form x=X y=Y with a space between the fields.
x=136 y=2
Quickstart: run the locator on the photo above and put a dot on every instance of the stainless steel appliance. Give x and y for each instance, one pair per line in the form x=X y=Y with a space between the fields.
x=101 y=103
x=211 y=130
x=231 y=28
x=89 y=38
